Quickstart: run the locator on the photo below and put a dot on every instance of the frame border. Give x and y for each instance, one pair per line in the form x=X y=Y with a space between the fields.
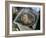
x=7 y=19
